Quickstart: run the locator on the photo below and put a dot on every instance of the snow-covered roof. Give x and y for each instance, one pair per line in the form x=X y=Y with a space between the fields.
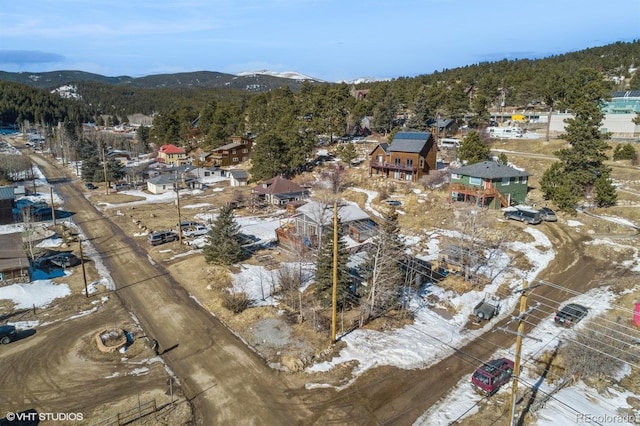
x=323 y=213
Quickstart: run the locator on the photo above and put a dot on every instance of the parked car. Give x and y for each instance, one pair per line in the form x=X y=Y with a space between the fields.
x=570 y=315
x=195 y=231
x=188 y=224
x=8 y=334
x=548 y=215
x=121 y=186
x=523 y=214
x=490 y=376
x=90 y=185
x=161 y=237
x=64 y=260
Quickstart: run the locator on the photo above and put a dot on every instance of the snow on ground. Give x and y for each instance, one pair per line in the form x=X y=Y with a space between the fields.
x=432 y=336
x=37 y=293
x=259 y=283
x=263 y=228
x=371 y=195
x=165 y=197
x=545 y=337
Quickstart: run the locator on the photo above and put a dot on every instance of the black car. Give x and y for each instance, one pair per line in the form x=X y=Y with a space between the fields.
x=570 y=314
x=8 y=333
x=89 y=185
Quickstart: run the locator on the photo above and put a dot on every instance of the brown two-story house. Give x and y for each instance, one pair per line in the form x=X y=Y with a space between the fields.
x=410 y=156
x=236 y=152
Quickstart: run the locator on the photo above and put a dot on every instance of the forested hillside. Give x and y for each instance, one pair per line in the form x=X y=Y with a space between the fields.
x=297 y=111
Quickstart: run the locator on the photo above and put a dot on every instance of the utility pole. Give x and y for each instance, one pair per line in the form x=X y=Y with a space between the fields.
x=53 y=209
x=334 y=295
x=104 y=167
x=33 y=179
x=519 y=335
x=177 y=183
x=84 y=272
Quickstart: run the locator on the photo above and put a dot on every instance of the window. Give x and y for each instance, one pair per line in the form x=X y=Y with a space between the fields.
x=234 y=159
x=233 y=151
x=455 y=176
x=245 y=150
x=397 y=161
x=475 y=181
x=245 y=158
x=409 y=162
x=505 y=181
x=379 y=158
x=421 y=162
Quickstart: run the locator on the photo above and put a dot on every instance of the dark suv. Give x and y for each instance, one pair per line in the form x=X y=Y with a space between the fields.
x=570 y=314
x=161 y=237
x=529 y=216
x=8 y=333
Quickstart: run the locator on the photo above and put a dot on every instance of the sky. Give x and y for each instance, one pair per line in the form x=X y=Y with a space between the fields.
x=417 y=345
x=330 y=40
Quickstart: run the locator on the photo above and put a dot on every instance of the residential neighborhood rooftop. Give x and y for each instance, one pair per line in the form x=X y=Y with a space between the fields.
x=489 y=170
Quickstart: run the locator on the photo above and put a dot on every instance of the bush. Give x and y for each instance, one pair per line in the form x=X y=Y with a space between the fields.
x=599 y=351
x=235 y=302
x=435 y=179
x=625 y=152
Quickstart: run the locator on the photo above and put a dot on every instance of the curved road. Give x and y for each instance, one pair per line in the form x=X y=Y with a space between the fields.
x=225 y=381
x=228 y=383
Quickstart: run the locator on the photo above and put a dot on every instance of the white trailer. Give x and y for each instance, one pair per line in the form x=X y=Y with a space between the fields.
x=505 y=132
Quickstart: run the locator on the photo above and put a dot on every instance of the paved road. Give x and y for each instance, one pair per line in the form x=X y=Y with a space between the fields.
x=226 y=382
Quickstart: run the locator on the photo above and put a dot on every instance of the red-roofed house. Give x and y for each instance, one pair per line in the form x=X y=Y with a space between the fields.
x=173 y=155
x=279 y=191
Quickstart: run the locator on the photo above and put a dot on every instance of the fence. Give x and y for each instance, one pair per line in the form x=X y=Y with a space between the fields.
x=129 y=416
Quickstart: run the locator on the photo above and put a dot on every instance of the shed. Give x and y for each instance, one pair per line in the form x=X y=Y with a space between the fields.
x=14 y=263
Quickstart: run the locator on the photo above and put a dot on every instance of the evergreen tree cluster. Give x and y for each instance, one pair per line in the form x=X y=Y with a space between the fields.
x=581 y=166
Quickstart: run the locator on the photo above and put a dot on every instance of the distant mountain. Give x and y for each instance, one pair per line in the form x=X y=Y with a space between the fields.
x=260 y=81
x=285 y=74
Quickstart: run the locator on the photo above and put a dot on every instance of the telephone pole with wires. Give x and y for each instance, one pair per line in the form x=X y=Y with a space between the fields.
x=334 y=293
x=519 y=335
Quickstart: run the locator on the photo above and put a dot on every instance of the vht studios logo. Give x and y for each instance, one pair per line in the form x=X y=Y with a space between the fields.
x=32 y=416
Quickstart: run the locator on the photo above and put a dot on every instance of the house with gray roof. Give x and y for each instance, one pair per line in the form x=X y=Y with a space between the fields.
x=489 y=184
x=238 y=177
x=167 y=182
x=310 y=221
x=410 y=156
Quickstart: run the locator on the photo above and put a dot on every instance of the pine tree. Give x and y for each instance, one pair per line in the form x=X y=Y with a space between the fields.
x=324 y=271
x=223 y=241
x=347 y=153
x=582 y=164
x=382 y=269
x=605 y=192
x=473 y=150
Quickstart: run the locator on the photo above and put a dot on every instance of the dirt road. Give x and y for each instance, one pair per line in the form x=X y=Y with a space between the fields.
x=226 y=382
x=229 y=384
x=389 y=395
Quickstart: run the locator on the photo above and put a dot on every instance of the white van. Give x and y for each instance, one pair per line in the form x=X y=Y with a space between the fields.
x=448 y=143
